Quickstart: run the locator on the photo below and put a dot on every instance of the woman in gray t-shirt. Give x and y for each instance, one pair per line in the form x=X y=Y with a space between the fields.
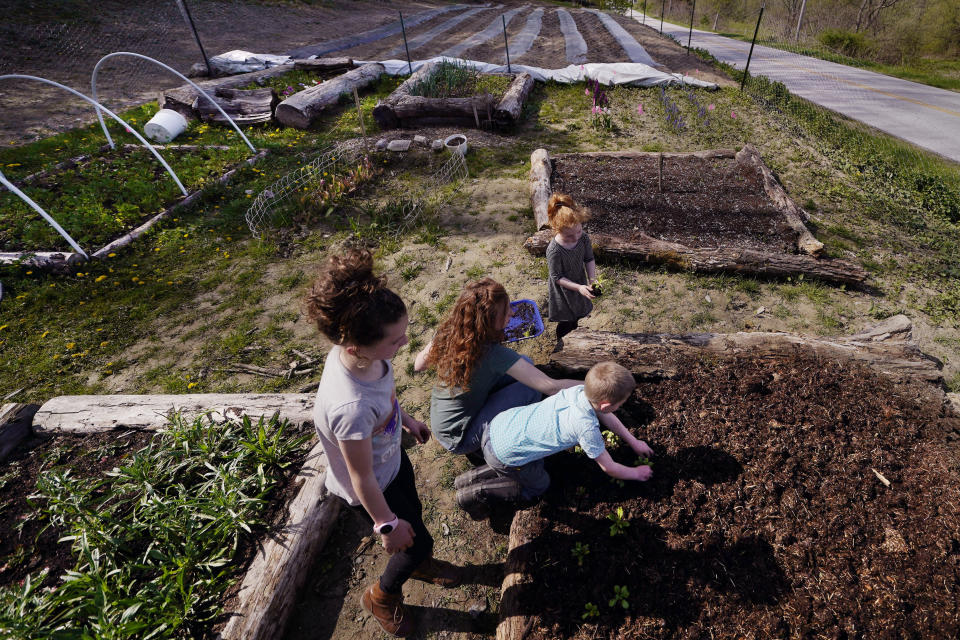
x=478 y=376
x=358 y=420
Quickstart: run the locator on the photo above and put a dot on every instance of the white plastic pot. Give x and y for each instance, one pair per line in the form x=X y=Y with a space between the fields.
x=165 y=126
x=457 y=143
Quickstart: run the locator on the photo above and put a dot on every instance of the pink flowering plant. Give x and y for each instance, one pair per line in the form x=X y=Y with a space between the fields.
x=600 y=109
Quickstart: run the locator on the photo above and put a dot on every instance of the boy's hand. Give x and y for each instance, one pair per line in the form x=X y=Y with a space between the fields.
x=585 y=291
x=642 y=449
x=643 y=473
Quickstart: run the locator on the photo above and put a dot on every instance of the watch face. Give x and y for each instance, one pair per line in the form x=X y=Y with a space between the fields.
x=387 y=528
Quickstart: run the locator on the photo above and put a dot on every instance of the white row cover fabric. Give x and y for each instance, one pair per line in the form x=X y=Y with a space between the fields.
x=239 y=61
x=609 y=73
x=576 y=46
x=634 y=49
x=491 y=31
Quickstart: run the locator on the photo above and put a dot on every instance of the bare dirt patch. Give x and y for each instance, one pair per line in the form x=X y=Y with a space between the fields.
x=601 y=46
x=549 y=45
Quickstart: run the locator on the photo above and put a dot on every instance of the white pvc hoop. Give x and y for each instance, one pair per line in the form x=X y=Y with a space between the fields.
x=109 y=113
x=46 y=216
x=93 y=83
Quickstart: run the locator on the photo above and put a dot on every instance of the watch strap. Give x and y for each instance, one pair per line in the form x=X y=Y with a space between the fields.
x=392 y=524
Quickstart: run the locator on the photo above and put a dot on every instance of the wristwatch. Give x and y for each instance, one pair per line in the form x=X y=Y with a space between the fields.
x=386 y=527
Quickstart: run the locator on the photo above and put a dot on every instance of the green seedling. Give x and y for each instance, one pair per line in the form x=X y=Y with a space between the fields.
x=641 y=462
x=620 y=595
x=580 y=551
x=590 y=611
x=619 y=523
x=611 y=438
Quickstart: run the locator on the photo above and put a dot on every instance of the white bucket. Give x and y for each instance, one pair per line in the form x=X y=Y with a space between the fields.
x=165 y=126
x=457 y=143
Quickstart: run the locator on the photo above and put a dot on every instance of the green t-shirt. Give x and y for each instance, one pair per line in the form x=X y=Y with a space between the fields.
x=452 y=409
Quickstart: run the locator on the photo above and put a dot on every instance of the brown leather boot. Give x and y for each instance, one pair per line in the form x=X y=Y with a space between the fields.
x=439 y=573
x=388 y=609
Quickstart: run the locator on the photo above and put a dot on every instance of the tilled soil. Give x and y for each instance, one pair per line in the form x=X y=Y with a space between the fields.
x=765 y=517
x=553 y=48
x=601 y=46
x=704 y=203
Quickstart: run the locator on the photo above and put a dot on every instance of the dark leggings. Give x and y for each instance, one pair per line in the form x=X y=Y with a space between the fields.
x=401 y=496
x=565 y=326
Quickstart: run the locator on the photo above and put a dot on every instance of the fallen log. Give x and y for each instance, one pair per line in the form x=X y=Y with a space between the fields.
x=184 y=99
x=54 y=261
x=15 y=420
x=515 y=621
x=510 y=106
x=245 y=106
x=418 y=107
x=794 y=215
x=94 y=414
x=541 y=168
x=302 y=108
x=383 y=113
x=324 y=65
x=644 y=248
x=885 y=348
x=270 y=587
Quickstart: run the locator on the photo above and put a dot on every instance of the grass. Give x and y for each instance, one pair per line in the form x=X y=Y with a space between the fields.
x=455 y=80
x=155 y=540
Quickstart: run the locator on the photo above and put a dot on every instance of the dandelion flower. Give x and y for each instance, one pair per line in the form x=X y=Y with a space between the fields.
x=191 y=385
x=104 y=343
x=100 y=278
x=71 y=345
x=111 y=255
x=2 y=327
x=44 y=334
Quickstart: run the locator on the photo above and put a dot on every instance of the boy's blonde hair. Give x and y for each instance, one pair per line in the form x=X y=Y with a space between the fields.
x=608 y=382
x=563 y=212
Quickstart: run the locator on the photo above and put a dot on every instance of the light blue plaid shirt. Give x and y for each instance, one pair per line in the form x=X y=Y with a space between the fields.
x=524 y=434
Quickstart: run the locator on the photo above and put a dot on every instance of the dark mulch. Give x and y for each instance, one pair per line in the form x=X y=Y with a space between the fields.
x=764 y=517
x=704 y=203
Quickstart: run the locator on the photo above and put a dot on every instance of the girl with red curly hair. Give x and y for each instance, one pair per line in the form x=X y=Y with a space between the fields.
x=478 y=376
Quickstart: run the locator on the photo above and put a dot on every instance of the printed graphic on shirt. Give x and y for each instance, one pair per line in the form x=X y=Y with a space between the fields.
x=387 y=429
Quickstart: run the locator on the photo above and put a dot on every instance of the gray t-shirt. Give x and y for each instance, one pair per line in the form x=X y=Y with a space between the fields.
x=452 y=409
x=350 y=409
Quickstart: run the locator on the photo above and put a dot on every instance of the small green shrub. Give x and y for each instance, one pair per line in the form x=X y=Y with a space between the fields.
x=848 y=43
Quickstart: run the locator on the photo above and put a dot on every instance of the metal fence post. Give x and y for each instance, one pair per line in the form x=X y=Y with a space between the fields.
x=505 y=44
x=693 y=10
x=746 y=69
x=663 y=7
x=185 y=10
x=405 y=46
x=644 y=11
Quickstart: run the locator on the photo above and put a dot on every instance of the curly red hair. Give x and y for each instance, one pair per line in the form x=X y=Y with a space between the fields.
x=464 y=337
x=563 y=212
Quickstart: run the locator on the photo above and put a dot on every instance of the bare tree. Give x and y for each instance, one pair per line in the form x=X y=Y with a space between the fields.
x=870 y=11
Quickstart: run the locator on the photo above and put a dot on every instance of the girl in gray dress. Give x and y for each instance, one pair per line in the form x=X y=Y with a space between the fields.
x=573 y=270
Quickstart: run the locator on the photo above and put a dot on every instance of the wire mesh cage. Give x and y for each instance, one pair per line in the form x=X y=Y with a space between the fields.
x=273 y=206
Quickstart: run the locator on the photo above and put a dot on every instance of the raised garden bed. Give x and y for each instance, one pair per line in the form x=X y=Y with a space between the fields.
x=222 y=445
x=706 y=211
x=405 y=108
x=795 y=495
x=107 y=201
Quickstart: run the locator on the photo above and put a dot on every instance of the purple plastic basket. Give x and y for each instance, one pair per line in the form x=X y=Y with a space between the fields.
x=515 y=322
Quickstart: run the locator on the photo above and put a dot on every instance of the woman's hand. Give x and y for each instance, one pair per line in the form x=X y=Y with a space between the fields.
x=417 y=429
x=400 y=538
x=586 y=291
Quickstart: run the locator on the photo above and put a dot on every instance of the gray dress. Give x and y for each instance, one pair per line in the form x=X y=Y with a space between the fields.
x=565 y=305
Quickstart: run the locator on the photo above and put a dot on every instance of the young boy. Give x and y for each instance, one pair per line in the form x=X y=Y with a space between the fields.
x=518 y=440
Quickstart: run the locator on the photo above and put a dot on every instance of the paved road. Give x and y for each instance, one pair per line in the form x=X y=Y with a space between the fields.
x=926 y=116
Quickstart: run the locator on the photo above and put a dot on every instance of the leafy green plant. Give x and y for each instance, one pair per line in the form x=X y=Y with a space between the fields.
x=580 y=551
x=590 y=611
x=155 y=539
x=620 y=595
x=618 y=522
x=610 y=438
x=458 y=80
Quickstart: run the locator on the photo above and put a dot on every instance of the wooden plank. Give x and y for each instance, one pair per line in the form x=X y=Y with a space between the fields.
x=93 y=414
x=271 y=585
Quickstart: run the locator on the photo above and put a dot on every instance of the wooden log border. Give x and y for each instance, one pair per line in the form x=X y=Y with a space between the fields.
x=402 y=110
x=63 y=261
x=268 y=591
x=698 y=259
x=887 y=348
